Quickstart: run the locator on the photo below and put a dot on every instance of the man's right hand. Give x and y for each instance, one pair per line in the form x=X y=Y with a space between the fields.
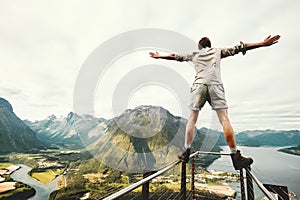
x=267 y=42
x=270 y=40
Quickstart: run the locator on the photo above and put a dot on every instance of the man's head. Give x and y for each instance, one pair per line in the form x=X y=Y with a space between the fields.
x=204 y=42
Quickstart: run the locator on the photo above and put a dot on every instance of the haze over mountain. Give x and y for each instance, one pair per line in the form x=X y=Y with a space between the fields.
x=15 y=136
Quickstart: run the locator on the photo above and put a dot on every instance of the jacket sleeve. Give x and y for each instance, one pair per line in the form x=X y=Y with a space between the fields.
x=225 y=52
x=183 y=57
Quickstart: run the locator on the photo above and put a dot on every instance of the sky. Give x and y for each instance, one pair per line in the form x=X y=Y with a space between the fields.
x=45 y=45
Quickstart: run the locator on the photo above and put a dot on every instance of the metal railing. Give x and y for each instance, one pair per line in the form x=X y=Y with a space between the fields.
x=268 y=194
x=249 y=183
x=141 y=182
x=145 y=180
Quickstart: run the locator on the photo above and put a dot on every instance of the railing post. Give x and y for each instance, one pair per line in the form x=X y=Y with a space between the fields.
x=183 y=182
x=193 y=179
x=243 y=196
x=145 y=186
x=250 y=192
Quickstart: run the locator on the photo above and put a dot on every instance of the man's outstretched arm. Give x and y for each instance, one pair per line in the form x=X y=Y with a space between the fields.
x=157 y=56
x=267 y=42
x=243 y=47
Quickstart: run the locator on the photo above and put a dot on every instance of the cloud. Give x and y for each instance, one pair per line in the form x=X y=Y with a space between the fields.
x=10 y=91
x=45 y=43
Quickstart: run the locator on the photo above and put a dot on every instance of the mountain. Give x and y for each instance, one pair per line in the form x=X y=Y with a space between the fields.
x=143 y=138
x=256 y=138
x=15 y=136
x=269 y=138
x=140 y=138
x=69 y=131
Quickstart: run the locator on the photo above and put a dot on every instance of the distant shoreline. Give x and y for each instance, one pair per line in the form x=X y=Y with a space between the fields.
x=291 y=150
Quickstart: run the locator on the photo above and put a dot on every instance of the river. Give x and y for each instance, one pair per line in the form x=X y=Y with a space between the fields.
x=42 y=190
x=270 y=166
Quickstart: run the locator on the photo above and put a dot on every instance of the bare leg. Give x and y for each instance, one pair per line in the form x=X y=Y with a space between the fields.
x=184 y=156
x=190 y=126
x=227 y=128
x=239 y=162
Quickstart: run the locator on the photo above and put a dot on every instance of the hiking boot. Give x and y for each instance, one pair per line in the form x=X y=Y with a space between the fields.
x=184 y=155
x=240 y=162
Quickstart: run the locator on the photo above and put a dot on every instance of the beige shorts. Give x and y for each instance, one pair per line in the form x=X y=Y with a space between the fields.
x=214 y=94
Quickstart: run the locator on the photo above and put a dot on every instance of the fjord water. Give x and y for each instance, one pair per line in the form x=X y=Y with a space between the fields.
x=270 y=166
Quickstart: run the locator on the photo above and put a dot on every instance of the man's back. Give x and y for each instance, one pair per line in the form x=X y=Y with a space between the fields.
x=207 y=66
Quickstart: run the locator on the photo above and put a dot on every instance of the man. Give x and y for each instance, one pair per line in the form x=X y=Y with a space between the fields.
x=208 y=86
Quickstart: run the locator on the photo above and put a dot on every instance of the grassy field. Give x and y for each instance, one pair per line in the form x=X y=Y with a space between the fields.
x=4 y=165
x=46 y=176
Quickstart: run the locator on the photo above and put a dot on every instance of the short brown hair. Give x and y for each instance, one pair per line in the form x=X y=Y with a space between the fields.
x=205 y=42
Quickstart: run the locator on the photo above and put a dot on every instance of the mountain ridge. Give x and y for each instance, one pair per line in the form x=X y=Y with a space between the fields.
x=63 y=133
x=67 y=130
x=268 y=137
x=15 y=136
